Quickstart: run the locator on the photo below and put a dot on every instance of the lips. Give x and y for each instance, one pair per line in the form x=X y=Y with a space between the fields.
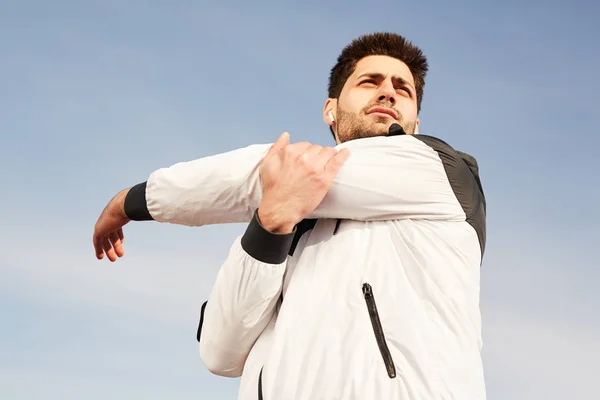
x=383 y=110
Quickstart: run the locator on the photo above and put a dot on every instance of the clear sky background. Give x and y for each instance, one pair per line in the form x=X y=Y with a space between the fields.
x=95 y=95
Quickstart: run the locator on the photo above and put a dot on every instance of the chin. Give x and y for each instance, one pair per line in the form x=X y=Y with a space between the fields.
x=380 y=129
x=366 y=130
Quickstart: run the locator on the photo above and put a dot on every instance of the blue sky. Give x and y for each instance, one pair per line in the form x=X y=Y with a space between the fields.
x=96 y=95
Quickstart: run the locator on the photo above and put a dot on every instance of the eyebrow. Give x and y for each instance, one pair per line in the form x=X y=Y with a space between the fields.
x=379 y=76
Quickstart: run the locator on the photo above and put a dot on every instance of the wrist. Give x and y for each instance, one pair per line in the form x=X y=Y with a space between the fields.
x=118 y=205
x=276 y=221
x=265 y=246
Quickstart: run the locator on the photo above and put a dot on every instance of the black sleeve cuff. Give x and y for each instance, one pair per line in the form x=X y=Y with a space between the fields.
x=265 y=246
x=136 y=208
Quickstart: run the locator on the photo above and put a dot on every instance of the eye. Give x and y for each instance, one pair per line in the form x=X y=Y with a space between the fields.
x=368 y=81
x=404 y=89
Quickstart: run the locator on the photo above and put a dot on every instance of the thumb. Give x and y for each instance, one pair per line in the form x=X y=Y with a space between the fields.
x=282 y=142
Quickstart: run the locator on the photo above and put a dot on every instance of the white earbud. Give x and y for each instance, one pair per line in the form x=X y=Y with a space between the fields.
x=331 y=116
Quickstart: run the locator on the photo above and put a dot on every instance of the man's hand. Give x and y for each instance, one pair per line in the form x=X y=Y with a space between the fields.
x=108 y=232
x=295 y=179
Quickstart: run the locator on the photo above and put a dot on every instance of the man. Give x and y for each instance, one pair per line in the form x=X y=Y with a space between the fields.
x=358 y=274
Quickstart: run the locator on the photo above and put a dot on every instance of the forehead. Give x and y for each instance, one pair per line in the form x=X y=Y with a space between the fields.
x=383 y=65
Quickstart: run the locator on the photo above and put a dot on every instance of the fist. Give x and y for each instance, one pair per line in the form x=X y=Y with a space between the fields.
x=295 y=179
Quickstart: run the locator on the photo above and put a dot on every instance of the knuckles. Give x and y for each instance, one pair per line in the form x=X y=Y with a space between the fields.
x=308 y=157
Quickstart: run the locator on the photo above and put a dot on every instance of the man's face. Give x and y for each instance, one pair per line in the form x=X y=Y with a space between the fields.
x=380 y=92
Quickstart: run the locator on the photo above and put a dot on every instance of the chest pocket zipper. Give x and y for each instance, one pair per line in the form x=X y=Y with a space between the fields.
x=378 y=330
x=379 y=336
x=260 y=396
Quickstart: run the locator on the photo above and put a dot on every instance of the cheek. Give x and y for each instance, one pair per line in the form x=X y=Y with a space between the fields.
x=408 y=110
x=355 y=101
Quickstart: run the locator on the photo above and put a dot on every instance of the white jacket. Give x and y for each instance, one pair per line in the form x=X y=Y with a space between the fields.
x=382 y=305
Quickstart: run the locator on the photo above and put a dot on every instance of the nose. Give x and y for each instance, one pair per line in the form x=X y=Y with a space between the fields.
x=387 y=93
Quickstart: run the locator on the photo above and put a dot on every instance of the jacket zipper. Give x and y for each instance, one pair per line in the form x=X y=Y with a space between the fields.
x=260 y=396
x=378 y=330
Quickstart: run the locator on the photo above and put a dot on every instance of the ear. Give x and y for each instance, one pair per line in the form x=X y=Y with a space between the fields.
x=330 y=107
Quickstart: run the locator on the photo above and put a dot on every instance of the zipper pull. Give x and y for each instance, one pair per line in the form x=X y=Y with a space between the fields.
x=367 y=290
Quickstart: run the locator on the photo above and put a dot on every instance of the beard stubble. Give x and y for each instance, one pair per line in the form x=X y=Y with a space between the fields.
x=352 y=126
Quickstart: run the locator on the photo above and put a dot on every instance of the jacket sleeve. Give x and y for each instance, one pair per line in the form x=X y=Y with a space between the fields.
x=243 y=299
x=408 y=176
x=223 y=188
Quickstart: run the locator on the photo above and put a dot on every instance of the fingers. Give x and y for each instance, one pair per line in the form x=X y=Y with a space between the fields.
x=336 y=162
x=322 y=158
x=298 y=149
x=108 y=249
x=308 y=153
x=99 y=247
x=111 y=245
x=318 y=158
x=117 y=245
x=283 y=141
x=313 y=150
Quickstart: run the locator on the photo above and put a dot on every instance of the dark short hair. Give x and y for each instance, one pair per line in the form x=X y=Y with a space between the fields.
x=379 y=44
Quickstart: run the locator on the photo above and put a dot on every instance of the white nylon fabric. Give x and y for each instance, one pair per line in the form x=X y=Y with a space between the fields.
x=321 y=345
x=404 y=233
